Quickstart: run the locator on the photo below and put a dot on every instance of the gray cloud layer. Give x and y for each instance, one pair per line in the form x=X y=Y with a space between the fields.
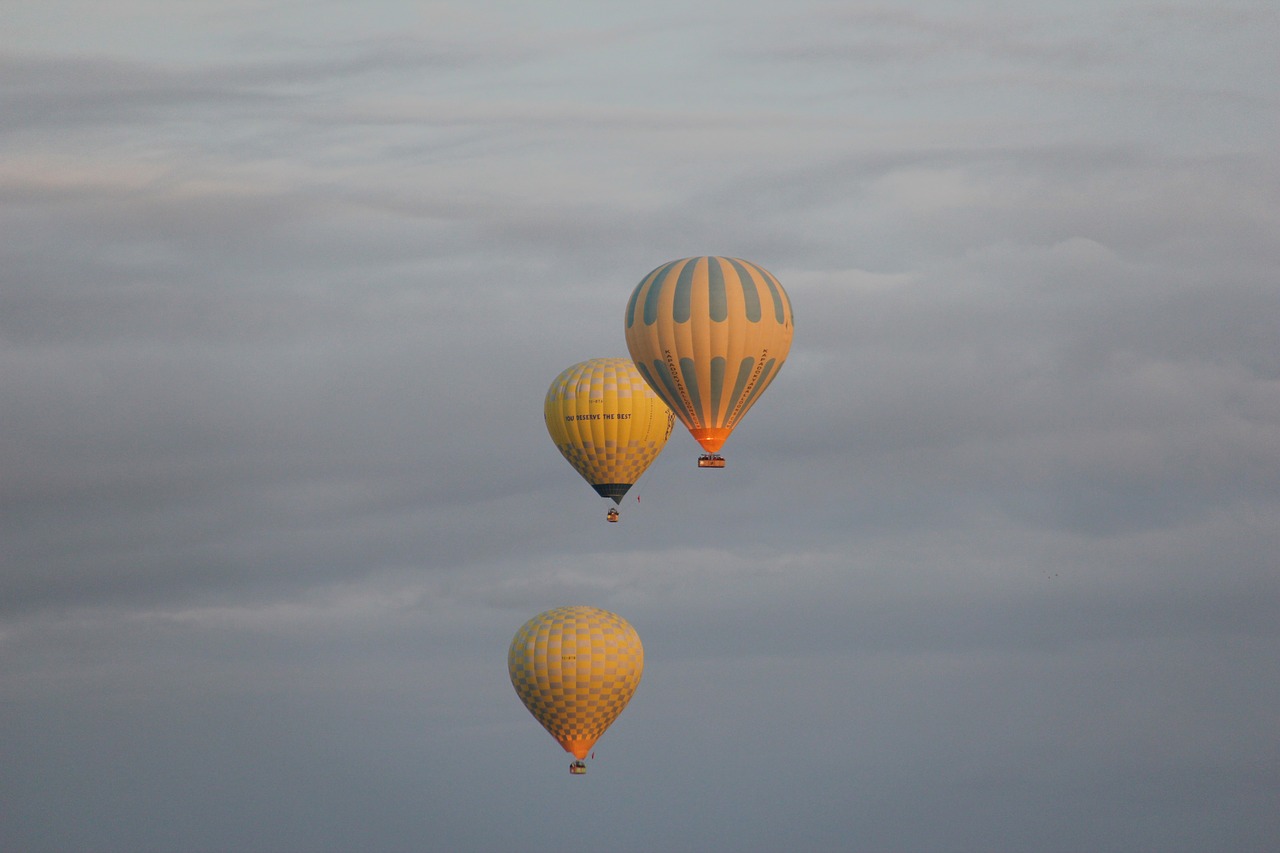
x=993 y=562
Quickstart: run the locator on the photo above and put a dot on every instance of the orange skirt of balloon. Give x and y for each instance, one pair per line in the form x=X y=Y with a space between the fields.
x=711 y=438
x=578 y=747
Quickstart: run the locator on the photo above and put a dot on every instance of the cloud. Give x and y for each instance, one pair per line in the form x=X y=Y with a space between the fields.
x=280 y=306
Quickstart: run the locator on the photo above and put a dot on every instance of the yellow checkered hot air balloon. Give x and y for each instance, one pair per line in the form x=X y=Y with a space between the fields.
x=608 y=423
x=575 y=669
x=709 y=334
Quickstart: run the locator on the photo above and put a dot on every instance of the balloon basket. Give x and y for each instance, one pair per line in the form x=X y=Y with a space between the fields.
x=577 y=768
x=711 y=460
x=612 y=515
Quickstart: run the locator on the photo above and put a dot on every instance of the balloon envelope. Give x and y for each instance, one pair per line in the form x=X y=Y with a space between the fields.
x=607 y=422
x=575 y=669
x=709 y=334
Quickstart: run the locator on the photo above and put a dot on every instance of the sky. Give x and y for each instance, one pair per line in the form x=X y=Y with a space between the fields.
x=992 y=564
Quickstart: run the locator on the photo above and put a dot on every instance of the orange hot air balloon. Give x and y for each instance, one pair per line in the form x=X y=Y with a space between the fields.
x=709 y=334
x=575 y=669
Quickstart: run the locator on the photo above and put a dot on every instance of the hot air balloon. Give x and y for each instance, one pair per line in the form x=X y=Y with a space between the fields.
x=608 y=423
x=575 y=669
x=709 y=334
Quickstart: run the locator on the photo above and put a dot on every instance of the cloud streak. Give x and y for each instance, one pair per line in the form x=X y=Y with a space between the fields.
x=282 y=295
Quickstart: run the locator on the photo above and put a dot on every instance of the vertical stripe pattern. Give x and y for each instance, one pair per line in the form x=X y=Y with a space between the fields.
x=708 y=334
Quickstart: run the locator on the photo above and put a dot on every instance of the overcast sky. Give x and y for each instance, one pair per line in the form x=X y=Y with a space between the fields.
x=992 y=565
